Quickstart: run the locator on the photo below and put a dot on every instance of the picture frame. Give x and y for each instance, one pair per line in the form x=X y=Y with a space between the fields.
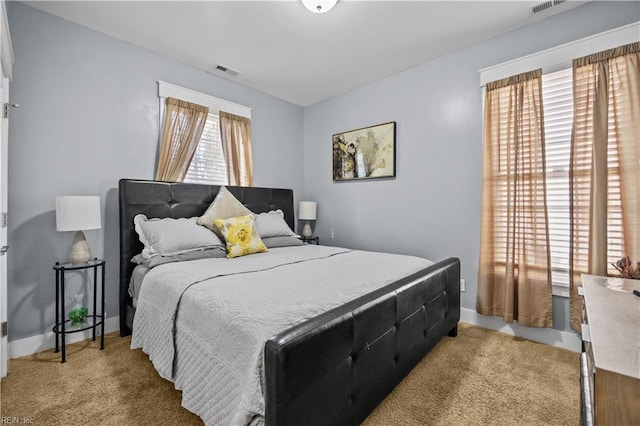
x=366 y=153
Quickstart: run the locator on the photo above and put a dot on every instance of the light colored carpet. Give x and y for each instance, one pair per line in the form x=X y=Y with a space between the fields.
x=483 y=377
x=480 y=377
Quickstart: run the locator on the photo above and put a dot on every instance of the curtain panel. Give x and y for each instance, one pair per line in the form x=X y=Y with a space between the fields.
x=514 y=277
x=183 y=125
x=235 y=132
x=605 y=165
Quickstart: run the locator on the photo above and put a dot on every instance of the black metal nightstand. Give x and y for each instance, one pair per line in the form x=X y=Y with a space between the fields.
x=92 y=321
x=311 y=240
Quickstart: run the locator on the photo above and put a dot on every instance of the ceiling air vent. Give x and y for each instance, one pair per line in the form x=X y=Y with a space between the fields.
x=545 y=5
x=227 y=70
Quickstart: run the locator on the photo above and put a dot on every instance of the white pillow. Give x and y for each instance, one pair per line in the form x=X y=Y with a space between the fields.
x=168 y=236
x=224 y=206
x=272 y=224
x=209 y=253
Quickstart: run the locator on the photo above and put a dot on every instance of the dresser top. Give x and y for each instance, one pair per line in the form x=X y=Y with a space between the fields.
x=613 y=314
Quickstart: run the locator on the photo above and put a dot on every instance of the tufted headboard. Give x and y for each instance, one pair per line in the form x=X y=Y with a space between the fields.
x=172 y=199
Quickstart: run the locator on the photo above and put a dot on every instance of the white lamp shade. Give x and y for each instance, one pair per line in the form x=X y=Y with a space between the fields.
x=307 y=210
x=77 y=213
x=319 y=6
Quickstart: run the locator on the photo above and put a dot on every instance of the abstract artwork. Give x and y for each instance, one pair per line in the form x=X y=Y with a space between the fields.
x=365 y=153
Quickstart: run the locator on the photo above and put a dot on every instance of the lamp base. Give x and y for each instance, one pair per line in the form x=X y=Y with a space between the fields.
x=80 y=252
x=306 y=231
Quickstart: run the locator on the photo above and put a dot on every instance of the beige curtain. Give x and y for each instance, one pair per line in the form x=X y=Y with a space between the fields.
x=514 y=277
x=605 y=165
x=183 y=125
x=235 y=132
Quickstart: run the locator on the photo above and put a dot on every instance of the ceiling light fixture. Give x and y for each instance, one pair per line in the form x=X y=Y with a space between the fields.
x=319 y=6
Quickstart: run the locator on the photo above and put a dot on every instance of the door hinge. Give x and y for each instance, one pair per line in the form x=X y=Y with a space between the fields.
x=6 y=108
x=4 y=219
x=5 y=329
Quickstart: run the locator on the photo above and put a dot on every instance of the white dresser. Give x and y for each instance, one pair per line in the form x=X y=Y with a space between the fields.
x=611 y=362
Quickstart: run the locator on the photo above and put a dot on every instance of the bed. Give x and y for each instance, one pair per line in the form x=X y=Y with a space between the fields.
x=332 y=368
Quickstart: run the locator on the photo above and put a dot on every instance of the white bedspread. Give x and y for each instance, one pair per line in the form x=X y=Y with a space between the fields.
x=224 y=310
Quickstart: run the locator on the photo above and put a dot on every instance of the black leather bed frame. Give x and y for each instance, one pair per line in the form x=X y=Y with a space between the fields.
x=337 y=367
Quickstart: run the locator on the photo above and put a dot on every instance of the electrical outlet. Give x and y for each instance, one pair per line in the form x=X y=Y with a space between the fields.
x=463 y=286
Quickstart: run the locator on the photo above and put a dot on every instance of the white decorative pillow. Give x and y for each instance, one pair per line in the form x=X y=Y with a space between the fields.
x=241 y=236
x=224 y=206
x=169 y=237
x=272 y=224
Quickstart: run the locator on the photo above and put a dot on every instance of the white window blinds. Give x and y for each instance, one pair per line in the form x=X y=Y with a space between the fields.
x=208 y=165
x=557 y=101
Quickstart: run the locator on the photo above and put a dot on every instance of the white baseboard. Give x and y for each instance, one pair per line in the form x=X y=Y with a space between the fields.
x=562 y=339
x=549 y=336
x=42 y=342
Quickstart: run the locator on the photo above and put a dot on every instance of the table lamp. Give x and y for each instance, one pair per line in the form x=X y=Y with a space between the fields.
x=78 y=213
x=307 y=211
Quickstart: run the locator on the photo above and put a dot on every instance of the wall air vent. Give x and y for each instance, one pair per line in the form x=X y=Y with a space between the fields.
x=545 y=5
x=227 y=70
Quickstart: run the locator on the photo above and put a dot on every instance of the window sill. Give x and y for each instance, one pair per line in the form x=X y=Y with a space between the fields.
x=560 y=290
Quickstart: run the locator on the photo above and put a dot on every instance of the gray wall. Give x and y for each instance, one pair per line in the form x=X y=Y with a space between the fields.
x=432 y=208
x=89 y=116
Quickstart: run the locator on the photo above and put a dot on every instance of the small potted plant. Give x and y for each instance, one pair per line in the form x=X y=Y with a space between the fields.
x=78 y=312
x=626 y=269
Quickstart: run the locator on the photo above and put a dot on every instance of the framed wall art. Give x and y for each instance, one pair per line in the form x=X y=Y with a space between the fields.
x=366 y=153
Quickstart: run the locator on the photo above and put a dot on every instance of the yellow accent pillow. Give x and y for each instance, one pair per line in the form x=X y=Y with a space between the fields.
x=241 y=236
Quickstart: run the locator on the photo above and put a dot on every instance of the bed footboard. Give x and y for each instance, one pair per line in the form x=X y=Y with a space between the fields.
x=336 y=368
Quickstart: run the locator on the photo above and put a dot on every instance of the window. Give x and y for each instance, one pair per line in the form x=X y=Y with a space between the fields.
x=557 y=104
x=208 y=165
x=557 y=100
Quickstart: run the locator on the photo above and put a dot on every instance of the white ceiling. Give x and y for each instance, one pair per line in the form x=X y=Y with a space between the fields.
x=282 y=49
